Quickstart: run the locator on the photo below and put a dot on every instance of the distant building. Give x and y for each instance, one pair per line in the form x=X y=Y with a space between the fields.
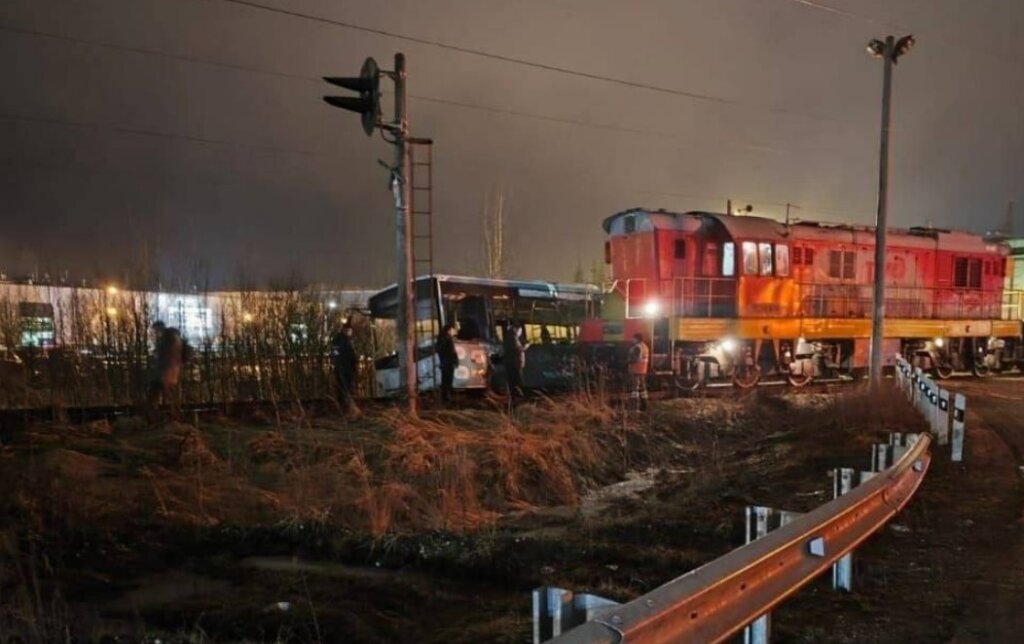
x=46 y=315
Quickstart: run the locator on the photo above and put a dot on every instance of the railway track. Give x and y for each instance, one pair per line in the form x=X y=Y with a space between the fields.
x=12 y=418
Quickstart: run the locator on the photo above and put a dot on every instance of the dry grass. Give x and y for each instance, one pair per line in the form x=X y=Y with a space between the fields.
x=453 y=470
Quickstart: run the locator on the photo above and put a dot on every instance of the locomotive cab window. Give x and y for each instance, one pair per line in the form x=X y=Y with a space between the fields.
x=629 y=223
x=728 y=259
x=749 y=258
x=680 y=249
x=765 y=251
x=782 y=260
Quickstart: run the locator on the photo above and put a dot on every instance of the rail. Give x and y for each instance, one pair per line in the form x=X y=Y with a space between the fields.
x=717 y=600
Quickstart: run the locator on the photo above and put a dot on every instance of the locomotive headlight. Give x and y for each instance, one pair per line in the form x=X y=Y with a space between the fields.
x=652 y=308
x=939 y=342
x=728 y=345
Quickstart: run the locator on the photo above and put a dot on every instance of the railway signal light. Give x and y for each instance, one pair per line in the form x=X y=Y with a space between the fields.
x=367 y=104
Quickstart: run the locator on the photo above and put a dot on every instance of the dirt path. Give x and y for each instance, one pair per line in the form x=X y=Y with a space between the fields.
x=995 y=417
x=950 y=568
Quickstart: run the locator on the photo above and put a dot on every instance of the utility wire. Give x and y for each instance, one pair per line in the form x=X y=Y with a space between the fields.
x=428 y=99
x=820 y=6
x=152 y=133
x=151 y=52
x=534 y=64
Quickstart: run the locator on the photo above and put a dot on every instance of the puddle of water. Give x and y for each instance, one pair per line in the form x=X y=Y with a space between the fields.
x=166 y=588
x=636 y=483
x=328 y=568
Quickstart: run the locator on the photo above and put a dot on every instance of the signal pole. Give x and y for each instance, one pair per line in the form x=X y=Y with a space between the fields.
x=403 y=243
x=367 y=105
x=889 y=51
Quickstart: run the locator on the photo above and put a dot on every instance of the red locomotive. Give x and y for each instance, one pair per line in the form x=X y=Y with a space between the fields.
x=737 y=297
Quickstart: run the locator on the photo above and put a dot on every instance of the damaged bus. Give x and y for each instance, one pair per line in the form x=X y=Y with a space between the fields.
x=479 y=307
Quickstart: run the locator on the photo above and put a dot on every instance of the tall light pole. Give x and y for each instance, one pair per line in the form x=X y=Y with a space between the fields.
x=889 y=51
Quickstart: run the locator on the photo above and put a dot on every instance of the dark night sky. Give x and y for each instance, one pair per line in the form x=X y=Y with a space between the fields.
x=261 y=178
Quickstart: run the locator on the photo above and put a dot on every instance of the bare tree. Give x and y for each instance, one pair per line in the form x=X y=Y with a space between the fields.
x=494 y=233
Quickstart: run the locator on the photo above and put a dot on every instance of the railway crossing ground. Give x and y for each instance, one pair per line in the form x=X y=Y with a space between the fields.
x=166 y=549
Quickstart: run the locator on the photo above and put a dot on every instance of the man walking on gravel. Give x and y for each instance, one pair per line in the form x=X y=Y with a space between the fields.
x=638 y=359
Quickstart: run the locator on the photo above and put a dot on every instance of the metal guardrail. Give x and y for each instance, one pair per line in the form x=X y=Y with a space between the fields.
x=715 y=601
x=944 y=410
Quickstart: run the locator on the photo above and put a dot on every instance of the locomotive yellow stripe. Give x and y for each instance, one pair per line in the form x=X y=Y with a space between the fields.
x=707 y=329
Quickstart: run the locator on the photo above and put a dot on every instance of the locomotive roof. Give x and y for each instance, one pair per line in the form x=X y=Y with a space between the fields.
x=762 y=228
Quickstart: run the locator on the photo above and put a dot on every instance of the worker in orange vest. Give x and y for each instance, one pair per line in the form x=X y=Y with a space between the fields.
x=639 y=357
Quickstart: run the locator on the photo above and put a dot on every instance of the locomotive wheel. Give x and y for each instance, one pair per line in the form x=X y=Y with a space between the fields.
x=688 y=383
x=691 y=379
x=746 y=377
x=980 y=369
x=799 y=379
x=943 y=371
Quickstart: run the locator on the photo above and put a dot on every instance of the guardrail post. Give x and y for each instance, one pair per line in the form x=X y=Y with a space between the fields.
x=760 y=521
x=918 y=384
x=942 y=417
x=922 y=400
x=551 y=610
x=959 y=415
x=881 y=456
x=557 y=610
x=845 y=479
x=885 y=454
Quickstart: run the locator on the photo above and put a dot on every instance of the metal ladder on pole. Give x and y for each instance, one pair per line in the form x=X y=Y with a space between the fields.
x=421 y=181
x=421 y=202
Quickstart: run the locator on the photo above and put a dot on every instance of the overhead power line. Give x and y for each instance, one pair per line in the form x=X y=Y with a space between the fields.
x=237 y=67
x=957 y=41
x=153 y=133
x=151 y=52
x=720 y=100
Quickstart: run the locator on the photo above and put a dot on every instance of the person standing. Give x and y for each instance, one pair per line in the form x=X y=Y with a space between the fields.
x=448 y=360
x=511 y=348
x=345 y=362
x=515 y=357
x=638 y=360
x=169 y=356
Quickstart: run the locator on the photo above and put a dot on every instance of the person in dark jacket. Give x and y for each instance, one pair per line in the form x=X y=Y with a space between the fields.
x=343 y=355
x=514 y=359
x=448 y=359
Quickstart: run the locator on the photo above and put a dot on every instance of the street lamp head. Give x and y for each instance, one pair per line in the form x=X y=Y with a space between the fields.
x=876 y=48
x=903 y=45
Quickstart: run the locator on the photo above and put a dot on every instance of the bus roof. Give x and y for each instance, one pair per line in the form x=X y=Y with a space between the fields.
x=383 y=304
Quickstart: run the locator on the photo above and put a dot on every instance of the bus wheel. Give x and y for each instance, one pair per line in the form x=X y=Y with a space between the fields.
x=799 y=379
x=746 y=377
